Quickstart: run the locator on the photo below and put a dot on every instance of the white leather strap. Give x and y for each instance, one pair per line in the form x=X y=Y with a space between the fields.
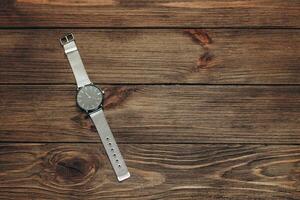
x=110 y=145
x=75 y=61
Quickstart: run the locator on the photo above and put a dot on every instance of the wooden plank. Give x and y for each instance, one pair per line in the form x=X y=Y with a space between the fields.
x=155 y=114
x=149 y=13
x=154 y=56
x=77 y=171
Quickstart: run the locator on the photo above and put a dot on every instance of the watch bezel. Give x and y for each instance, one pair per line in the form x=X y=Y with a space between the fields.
x=93 y=110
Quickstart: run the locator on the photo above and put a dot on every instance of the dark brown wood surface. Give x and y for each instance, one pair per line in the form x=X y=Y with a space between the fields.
x=156 y=114
x=210 y=56
x=202 y=96
x=177 y=171
x=149 y=13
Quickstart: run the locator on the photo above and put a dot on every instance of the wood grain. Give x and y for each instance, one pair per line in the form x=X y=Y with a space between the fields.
x=203 y=98
x=149 y=13
x=241 y=56
x=155 y=114
x=76 y=171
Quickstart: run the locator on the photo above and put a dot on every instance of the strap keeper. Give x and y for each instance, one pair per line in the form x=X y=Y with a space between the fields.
x=70 y=50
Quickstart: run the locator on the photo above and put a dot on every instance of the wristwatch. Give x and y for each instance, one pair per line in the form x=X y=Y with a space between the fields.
x=90 y=99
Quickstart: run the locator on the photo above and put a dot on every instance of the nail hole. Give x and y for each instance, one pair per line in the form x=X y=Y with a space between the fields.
x=114 y=155
x=107 y=138
x=112 y=149
x=109 y=143
x=117 y=160
x=119 y=165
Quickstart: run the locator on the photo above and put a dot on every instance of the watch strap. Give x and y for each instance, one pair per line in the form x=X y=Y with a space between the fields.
x=72 y=53
x=110 y=145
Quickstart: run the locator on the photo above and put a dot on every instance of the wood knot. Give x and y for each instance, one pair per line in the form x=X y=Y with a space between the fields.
x=84 y=121
x=66 y=167
x=74 y=169
x=116 y=96
x=204 y=60
x=278 y=169
x=200 y=36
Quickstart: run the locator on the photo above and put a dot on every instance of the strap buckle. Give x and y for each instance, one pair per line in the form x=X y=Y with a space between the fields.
x=66 y=39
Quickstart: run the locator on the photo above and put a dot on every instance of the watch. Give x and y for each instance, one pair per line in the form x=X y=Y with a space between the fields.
x=90 y=99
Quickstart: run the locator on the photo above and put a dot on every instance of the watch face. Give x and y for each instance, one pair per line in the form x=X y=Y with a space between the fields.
x=89 y=97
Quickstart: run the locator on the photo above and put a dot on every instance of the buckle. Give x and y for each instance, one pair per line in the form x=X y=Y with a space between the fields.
x=66 y=39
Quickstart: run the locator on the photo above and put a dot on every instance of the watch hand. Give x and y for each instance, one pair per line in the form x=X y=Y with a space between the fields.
x=87 y=95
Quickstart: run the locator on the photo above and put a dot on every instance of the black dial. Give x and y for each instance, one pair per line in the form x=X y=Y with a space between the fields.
x=89 y=97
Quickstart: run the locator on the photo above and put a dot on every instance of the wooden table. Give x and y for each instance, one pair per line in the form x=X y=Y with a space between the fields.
x=202 y=96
